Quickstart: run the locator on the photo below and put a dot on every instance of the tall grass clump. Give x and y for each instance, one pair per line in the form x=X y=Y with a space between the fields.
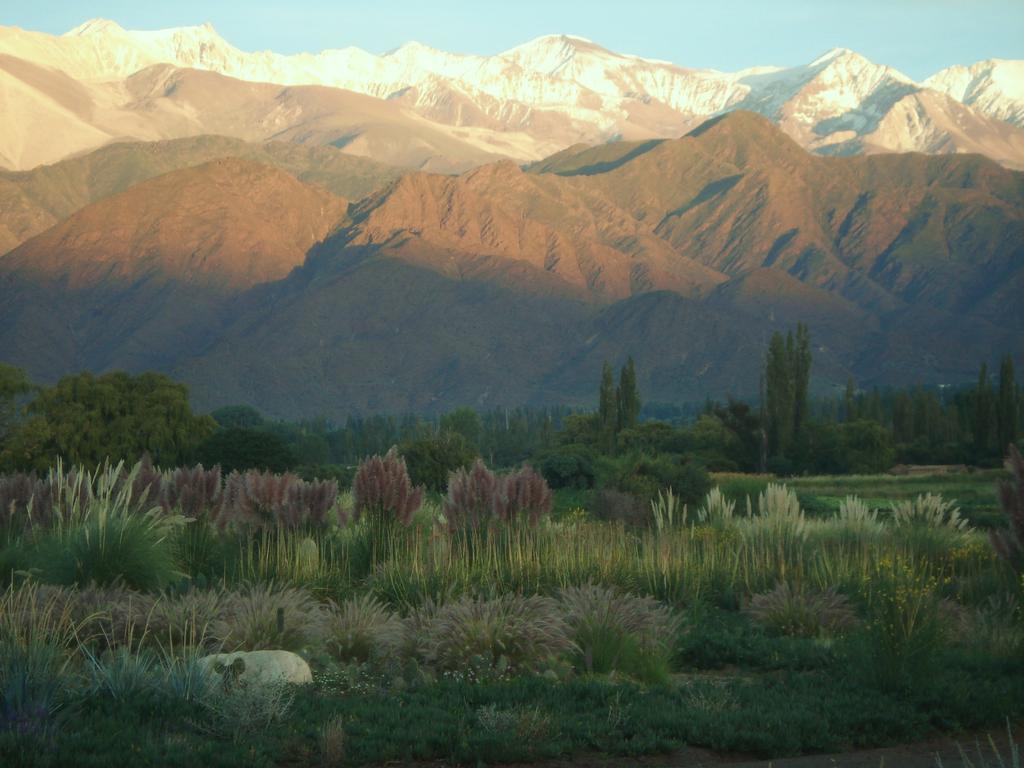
x=523 y=494
x=1009 y=543
x=797 y=612
x=508 y=634
x=472 y=493
x=269 y=617
x=100 y=535
x=361 y=629
x=717 y=510
x=255 y=500
x=614 y=631
x=904 y=628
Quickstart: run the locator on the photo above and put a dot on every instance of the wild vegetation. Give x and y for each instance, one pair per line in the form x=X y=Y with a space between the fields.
x=597 y=589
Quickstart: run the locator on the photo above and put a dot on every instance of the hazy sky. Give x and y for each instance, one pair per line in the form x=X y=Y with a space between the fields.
x=915 y=36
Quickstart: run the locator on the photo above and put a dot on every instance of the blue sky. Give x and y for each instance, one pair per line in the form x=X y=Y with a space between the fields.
x=915 y=36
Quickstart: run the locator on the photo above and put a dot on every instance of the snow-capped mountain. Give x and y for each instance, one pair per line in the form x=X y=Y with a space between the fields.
x=994 y=87
x=550 y=93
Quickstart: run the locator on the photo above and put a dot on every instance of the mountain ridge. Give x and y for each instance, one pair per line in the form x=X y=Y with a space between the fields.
x=552 y=92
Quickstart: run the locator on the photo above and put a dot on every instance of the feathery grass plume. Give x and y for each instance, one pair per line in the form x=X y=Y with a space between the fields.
x=509 y=633
x=382 y=489
x=666 y=511
x=854 y=513
x=470 y=503
x=1009 y=544
x=524 y=492
x=779 y=517
x=615 y=631
x=194 y=492
x=717 y=510
x=361 y=629
x=800 y=612
x=265 y=617
x=929 y=510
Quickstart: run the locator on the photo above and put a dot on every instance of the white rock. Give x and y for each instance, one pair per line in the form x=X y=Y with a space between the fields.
x=260 y=667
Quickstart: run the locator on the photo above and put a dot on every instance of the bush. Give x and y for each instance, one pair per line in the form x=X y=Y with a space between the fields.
x=801 y=613
x=269 y=617
x=107 y=548
x=616 y=632
x=904 y=628
x=645 y=476
x=569 y=467
x=361 y=629
x=383 y=490
x=507 y=634
x=431 y=460
x=616 y=506
x=238 y=449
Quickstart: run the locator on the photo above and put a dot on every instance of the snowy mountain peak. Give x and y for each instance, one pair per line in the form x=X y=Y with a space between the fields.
x=95 y=27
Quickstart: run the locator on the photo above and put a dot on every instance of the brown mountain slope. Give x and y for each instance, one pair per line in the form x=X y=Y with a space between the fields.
x=140 y=277
x=738 y=195
x=502 y=286
x=230 y=223
x=32 y=201
x=498 y=214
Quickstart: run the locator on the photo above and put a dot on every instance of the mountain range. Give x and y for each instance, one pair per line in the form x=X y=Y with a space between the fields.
x=307 y=281
x=421 y=108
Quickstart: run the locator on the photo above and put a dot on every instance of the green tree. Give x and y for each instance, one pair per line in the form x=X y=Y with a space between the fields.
x=14 y=383
x=89 y=419
x=238 y=449
x=465 y=422
x=779 y=387
x=429 y=461
x=628 y=397
x=984 y=412
x=607 y=409
x=240 y=416
x=800 y=362
x=850 y=401
x=1006 y=405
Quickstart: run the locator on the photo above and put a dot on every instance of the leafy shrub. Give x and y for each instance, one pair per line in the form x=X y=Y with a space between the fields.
x=801 y=613
x=360 y=629
x=238 y=450
x=383 y=490
x=509 y=633
x=431 y=460
x=617 y=632
x=616 y=506
x=645 y=476
x=269 y=617
x=904 y=627
x=523 y=493
x=569 y=467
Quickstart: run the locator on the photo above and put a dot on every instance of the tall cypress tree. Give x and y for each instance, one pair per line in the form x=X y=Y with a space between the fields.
x=983 y=414
x=628 y=397
x=608 y=408
x=850 y=401
x=800 y=363
x=778 y=382
x=1006 y=404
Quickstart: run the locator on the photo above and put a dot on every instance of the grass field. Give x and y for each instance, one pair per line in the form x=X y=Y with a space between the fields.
x=807 y=625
